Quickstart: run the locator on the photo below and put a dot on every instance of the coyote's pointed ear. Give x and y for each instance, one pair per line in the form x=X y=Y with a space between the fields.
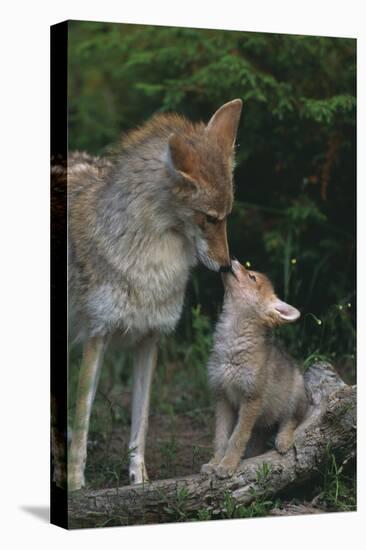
x=180 y=155
x=284 y=313
x=224 y=123
x=181 y=163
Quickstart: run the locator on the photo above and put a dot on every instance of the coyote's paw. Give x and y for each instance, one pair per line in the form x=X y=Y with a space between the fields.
x=137 y=472
x=75 y=479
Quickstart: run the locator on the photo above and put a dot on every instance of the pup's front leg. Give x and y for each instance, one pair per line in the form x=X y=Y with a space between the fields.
x=225 y=421
x=285 y=437
x=248 y=413
x=145 y=357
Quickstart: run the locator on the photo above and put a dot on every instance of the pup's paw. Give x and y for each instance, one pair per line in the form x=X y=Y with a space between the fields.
x=225 y=469
x=209 y=468
x=283 y=443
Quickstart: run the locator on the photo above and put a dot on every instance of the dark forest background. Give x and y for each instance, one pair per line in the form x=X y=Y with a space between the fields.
x=294 y=214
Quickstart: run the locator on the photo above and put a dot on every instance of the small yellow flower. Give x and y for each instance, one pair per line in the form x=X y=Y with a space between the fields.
x=293 y=261
x=340 y=307
x=247 y=264
x=319 y=322
x=349 y=305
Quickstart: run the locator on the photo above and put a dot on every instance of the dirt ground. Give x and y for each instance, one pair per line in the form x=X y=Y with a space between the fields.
x=177 y=445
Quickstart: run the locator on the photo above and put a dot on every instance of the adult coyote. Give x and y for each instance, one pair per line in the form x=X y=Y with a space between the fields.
x=136 y=226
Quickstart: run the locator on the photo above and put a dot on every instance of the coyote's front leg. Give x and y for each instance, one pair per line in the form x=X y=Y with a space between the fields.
x=88 y=381
x=145 y=357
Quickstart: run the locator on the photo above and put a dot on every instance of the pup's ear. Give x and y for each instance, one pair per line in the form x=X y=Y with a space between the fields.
x=284 y=313
x=223 y=125
x=181 y=164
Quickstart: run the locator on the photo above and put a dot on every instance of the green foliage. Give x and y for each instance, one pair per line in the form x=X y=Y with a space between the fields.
x=338 y=488
x=108 y=472
x=176 y=508
x=328 y=110
x=168 y=452
x=259 y=507
x=263 y=475
x=229 y=508
x=197 y=352
x=182 y=384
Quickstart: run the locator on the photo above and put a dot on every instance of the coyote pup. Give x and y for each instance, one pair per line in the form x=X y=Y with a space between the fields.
x=257 y=386
x=137 y=225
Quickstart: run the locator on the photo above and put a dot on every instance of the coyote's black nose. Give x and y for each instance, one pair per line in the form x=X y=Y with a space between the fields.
x=228 y=269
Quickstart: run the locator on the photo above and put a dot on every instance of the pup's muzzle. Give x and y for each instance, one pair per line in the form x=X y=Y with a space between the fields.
x=228 y=269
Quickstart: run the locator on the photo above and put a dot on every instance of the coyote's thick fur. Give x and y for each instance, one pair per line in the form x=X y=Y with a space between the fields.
x=136 y=226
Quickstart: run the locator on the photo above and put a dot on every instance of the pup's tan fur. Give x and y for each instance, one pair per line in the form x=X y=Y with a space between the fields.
x=257 y=386
x=137 y=225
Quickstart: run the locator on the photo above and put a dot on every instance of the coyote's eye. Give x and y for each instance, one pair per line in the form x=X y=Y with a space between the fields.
x=253 y=277
x=211 y=219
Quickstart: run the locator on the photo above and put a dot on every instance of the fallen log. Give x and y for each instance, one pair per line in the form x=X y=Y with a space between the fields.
x=329 y=424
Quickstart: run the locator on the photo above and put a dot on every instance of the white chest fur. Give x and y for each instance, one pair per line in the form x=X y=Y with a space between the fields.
x=146 y=291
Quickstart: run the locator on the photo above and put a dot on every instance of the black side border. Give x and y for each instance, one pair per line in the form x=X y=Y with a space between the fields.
x=59 y=339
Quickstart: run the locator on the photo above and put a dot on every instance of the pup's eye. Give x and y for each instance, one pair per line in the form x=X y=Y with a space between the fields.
x=253 y=277
x=211 y=219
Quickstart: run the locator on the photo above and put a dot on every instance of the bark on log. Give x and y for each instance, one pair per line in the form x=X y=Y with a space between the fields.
x=330 y=422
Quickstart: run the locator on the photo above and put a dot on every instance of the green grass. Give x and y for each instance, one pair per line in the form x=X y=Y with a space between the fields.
x=176 y=508
x=338 y=484
x=168 y=451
